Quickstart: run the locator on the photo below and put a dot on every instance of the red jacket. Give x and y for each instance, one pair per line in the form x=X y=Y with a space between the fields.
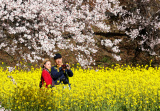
x=46 y=77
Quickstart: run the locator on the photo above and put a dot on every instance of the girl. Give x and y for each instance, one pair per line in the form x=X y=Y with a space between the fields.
x=46 y=75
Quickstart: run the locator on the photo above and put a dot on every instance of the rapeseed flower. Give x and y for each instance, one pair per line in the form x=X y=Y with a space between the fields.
x=127 y=87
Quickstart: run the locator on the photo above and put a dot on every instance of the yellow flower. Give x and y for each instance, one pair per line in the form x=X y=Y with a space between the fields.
x=49 y=108
x=126 y=86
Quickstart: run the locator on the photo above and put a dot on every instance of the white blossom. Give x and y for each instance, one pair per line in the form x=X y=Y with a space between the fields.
x=115 y=49
x=117 y=57
x=10 y=69
x=45 y=31
x=103 y=26
x=117 y=41
x=133 y=33
x=3 y=45
x=107 y=43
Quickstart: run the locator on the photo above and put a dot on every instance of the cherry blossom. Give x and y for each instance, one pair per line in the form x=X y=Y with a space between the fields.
x=40 y=25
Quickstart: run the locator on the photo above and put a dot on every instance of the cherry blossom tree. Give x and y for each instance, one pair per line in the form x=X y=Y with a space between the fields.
x=140 y=20
x=45 y=26
x=39 y=25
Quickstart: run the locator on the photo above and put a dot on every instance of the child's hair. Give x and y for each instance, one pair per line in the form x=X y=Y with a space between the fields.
x=44 y=62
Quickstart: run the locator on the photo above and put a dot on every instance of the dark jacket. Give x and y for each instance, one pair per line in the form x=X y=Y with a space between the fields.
x=60 y=75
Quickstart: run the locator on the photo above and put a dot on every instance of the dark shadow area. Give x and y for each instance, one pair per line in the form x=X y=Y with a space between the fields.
x=110 y=34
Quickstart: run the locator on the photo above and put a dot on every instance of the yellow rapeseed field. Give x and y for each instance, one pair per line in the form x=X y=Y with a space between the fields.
x=105 y=89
